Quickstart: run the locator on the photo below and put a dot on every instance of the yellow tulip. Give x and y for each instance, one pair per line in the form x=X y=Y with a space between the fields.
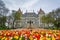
x=35 y=39
x=16 y=37
x=30 y=38
x=3 y=38
x=48 y=38
x=20 y=38
x=41 y=38
x=53 y=38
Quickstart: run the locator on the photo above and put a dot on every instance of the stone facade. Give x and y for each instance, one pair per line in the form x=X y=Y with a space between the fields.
x=30 y=16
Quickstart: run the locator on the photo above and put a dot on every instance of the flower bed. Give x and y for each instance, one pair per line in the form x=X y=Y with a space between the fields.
x=27 y=34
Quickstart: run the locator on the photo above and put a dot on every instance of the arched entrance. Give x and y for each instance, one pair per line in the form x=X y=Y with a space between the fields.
x=29 y=24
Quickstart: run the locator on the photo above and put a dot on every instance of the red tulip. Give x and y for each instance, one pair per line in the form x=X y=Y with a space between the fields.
x=38 y=36
x=34 y=35
x=8 y=34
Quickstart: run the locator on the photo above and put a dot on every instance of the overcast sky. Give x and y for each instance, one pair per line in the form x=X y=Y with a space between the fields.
x=46 y=5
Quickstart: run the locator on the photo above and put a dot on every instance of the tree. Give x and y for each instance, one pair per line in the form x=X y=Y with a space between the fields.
x=56 y=15
x=47 y=19
x=52 y=17
x=3 y=9
x=57 y=10
x=16 y=15
x=57 y=23
x=2 y=22
x=57 y=20
x=43 y=18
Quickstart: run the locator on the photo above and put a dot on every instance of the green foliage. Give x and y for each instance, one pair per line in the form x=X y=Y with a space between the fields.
x=28 y=39
x=47 y=19
x=13 y=39
x=2 y=22
x=3 y=19
x=57 y=23
x=16 y=15
x=57 y=10
x=23 y=38
x=50 y=18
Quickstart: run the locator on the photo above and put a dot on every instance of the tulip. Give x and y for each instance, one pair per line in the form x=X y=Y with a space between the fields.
x=3 y=38
x=20 y=38
x=10 y=38
x=57 y=37
x=13 y=39
x=53 y=38
x=48 y=37
x=35 y=39
x=19 y=33
x=2 y=34
x=38 y=36
x=30 y=37
x=41 y=38
x=14 y=33
x=6 y=38
x=25 y=35
x=34 y=35
x=8 y=34
x=16 y=37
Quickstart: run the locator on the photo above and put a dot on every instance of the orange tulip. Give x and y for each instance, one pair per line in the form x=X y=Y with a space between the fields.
x=19 y=33
x=1 y=36
x=6 y=38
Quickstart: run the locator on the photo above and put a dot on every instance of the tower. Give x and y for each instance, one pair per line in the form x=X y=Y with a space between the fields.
x=40 y=14
x=19 y=10
x=18 y=18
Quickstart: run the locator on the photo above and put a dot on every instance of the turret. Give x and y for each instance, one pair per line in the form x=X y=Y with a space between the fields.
x=19 y=10
x=40 y=14
x=41 y=11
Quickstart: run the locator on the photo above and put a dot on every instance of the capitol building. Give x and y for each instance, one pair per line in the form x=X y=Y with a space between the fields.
x=29 y=19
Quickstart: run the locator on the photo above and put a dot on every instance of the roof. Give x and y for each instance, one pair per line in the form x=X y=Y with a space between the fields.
x=41 y=11
x=30 y=14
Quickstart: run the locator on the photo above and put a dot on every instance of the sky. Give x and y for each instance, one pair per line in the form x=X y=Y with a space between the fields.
x=30 y=5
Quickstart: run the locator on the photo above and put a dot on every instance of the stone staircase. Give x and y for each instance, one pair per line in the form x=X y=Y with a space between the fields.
x=28 y=26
